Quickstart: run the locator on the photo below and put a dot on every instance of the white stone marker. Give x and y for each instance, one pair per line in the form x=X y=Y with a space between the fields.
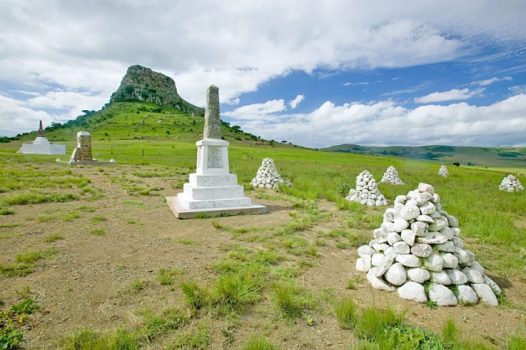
x=268 y=176
x=212 y=190
x=427 y=252
x=366 y=191
x=41 y=145
x=391 y=176
x=511 y=183
x=443 y=171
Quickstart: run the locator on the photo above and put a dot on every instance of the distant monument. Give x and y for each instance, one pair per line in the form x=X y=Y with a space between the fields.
x=82 y=153
x=41 y=145
x=212 y=190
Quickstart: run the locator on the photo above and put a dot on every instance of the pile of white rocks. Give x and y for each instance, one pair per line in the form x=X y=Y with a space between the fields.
x=366 y=191
x=418 y=252
x=443 y=171
x=511 y=183
x=391 y=176
x=268 y=176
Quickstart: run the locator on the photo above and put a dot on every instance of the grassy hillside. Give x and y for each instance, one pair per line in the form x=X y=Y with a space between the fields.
x=138 y=121
x=472 y=156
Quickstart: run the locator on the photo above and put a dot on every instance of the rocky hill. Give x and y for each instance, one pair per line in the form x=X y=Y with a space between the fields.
x=145 y=85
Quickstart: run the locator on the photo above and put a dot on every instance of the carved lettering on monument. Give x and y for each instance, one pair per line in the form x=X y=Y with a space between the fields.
x=214 y=157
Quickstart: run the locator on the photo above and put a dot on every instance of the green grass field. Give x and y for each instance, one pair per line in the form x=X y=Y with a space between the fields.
x=262 y=268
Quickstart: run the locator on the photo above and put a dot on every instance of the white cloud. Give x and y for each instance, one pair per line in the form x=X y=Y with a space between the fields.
x=450 y=95
x=359 y=83
x=490 y=81
x=386 y=123
x=16 y=117
x=54 y=44
x=296 y=101
x=517 y=89
x=257 y=111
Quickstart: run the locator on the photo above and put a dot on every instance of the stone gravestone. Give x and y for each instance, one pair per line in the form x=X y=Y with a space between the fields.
x=212 y=190
x=41 y=145
x=418 y=252
x=82 y=153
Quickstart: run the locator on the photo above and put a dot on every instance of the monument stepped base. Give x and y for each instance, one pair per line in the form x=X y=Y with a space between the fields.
x=182 y=212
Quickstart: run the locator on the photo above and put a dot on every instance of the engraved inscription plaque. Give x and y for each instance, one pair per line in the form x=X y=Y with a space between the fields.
x=214 y=157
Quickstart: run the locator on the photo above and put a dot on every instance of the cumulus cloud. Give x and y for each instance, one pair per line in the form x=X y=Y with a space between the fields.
x=490 y=81
x=450 y=95
x=54 y=44
x=386 y=123
x=296 y=101
x=257 y=111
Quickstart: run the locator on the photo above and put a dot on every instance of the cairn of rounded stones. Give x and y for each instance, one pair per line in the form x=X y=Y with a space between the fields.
x=443 y=171
x=418 y=252
x=511 y=183
x=366 y=191
x=212 y=190
x=268 y=176
x=391 y=176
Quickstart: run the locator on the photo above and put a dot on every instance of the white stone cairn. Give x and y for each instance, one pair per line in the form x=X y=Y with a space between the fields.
x=366 y=191
x=268 y=176
x=443 y=171
x=391 y=176
x=418 y=252
x=511 y=183
x=212 y=189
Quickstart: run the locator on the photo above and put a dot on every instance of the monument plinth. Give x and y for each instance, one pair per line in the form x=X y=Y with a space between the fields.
x=41 y=145
x=212 y=190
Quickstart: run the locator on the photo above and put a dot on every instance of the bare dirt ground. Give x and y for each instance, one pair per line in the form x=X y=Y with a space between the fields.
x=120 y=239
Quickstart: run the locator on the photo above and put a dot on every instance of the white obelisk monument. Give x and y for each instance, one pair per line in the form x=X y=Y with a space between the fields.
x=212 y=190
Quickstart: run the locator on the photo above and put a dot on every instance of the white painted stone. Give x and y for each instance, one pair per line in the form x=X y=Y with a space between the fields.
x=427 y=208
x=363 y=264
x=466 y=295
x=378 y=283
x=434 y=263
x=432 y=238
x=412 y=291
x=440 y=277
x=408 y=260
x=473 y=275
x=400 y=199
x=401 y=247
x=419 y=228
x=476 y=265
x=408 y=236
x=396 y=274
x=378 y=259
x=393 y=237
x=425 y=218
x=365 y=251
x=441 y=295
x=448 y=247
x=409 y=212
x=450 y=261
x=400 y=224
x=422 y=250
x=423 y=197
x=418 y=274
x=423 y=187
x=456 y=276
x=485 y=293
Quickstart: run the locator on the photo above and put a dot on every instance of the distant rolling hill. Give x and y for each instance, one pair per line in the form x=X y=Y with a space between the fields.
x=473 y=156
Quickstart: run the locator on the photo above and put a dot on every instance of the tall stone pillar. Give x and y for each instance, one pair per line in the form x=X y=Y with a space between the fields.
x=212 y=190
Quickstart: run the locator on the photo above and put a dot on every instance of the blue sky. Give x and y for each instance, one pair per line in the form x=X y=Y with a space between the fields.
x=313 y=73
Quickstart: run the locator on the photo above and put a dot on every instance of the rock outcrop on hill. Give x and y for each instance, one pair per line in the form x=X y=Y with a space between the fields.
x=145 y=85
x=418 y=252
